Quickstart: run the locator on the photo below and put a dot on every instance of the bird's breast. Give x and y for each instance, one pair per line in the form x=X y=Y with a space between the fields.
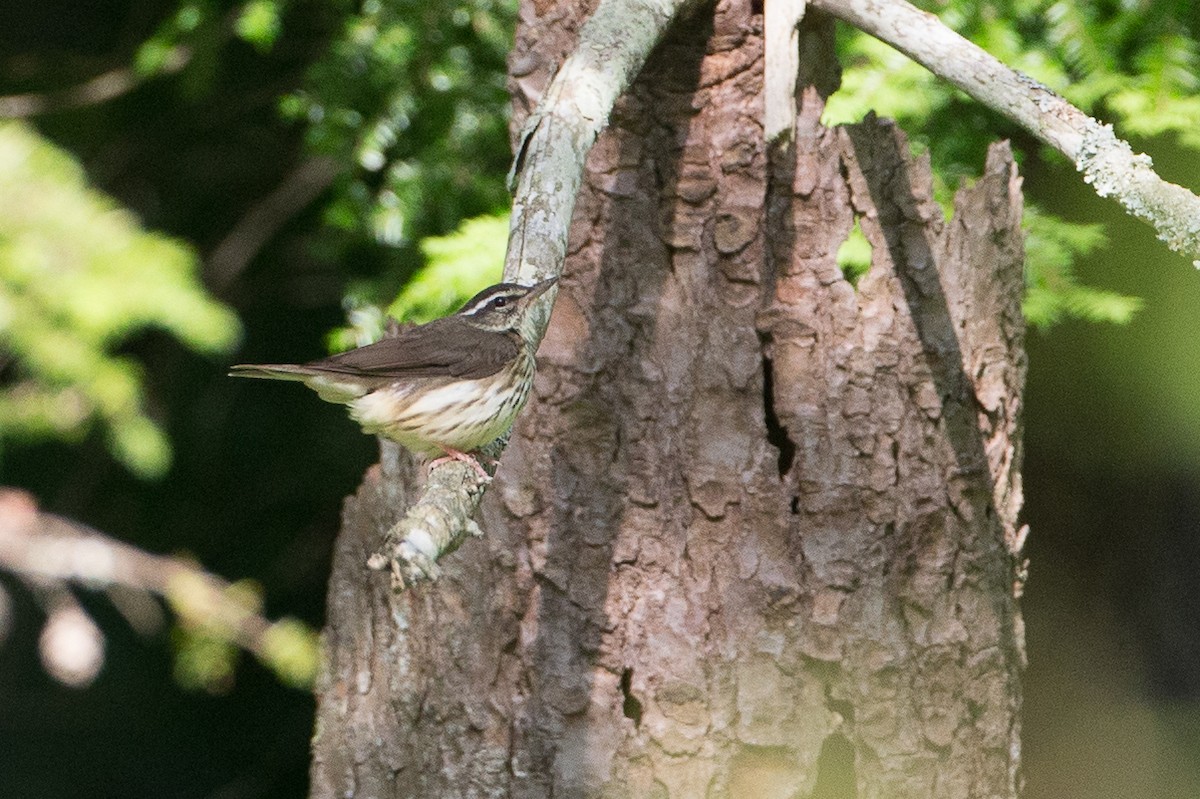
x=427 y=416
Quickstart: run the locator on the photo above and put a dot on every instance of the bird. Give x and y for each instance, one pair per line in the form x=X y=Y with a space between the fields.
x=449 y=386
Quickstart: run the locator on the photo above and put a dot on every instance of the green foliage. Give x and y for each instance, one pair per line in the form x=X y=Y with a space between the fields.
x=854 y=256
x=192 y=24
x=1135 y=64
x=259 y=23
x=457 y=266
x=206 y=657
x=213 y=624
x=78 y=278
x=203 y=661
x=413 y=93
x=1052 y=291
x=292 y=650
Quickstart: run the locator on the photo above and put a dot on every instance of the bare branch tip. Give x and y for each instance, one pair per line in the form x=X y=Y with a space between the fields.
x=410 y=567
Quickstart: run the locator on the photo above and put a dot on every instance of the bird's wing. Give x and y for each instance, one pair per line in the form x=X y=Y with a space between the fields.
x=446 y=347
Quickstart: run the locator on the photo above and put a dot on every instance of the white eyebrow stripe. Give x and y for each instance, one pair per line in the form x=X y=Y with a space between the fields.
x=486 y=301
x=479 y=306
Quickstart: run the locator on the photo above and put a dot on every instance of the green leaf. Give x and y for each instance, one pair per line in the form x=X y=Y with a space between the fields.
x=203 y=661
x=1053 y=292
x=154 y=53
x=259 y=23
x=79 y=277
x=457 y=267
x=292 y=650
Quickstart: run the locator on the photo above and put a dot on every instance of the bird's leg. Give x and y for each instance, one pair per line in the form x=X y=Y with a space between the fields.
x=458 y=455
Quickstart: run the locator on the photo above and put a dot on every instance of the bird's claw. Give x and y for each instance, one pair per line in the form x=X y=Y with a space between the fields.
x=463 y=457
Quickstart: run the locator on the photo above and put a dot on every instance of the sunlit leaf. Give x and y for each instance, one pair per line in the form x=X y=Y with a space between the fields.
x=457 y=267
x=1053 y=292
x=259 y=23
x=78 y=278
x=292 y=650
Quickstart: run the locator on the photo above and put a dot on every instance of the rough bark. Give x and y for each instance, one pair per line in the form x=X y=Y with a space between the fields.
x=755 y=534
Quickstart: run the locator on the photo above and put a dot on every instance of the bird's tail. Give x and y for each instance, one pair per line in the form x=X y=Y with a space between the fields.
x=272 y=371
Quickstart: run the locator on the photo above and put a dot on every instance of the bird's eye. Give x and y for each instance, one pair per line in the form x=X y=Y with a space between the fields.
x=500 y=302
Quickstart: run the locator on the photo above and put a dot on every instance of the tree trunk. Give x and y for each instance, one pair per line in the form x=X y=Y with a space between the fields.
x=755 y=535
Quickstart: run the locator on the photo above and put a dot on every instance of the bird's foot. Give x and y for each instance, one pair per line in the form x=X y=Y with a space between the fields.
x=459 y=455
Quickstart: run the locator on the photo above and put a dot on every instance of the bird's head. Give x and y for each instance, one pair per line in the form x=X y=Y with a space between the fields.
x=504 y=307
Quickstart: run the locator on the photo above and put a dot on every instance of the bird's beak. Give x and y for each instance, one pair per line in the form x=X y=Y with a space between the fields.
x=538 y=289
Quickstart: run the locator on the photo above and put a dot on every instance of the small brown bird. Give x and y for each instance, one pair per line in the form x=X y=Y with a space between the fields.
x=449 y=386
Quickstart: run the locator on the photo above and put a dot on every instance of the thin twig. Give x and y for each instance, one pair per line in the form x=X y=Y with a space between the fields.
x=99 y=89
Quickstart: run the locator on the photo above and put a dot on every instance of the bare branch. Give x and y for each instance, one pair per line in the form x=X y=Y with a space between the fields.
x=50 y=552
x=1107 y=163
x=547 y=170
x=265 y=219
x=102 y=88
x=111 y=84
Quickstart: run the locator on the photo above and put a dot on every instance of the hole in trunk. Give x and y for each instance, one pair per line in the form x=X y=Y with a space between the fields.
x=854 y=256
x=776 y=433
x=631 y=707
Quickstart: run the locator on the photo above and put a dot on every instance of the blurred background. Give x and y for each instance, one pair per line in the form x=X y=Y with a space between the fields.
x=188 y=185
